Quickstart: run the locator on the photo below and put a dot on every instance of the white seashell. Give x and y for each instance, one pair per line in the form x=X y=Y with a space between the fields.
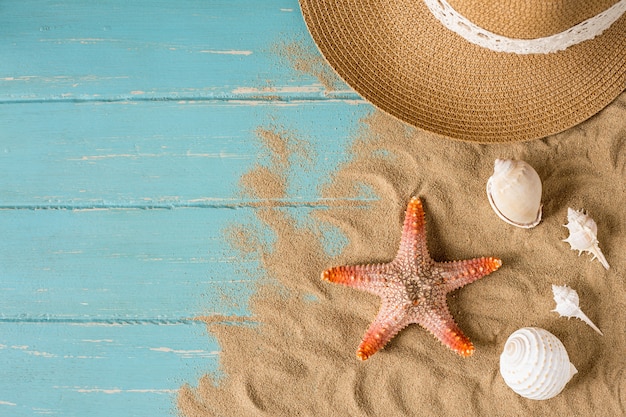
x=582 y=235
x=567 y=305
x=514 y=192
x=535 y=364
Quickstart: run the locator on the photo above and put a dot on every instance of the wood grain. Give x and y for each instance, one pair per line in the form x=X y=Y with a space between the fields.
x=125 y=128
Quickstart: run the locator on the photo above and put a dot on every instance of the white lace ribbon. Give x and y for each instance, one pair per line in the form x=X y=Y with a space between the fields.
x=473 y=33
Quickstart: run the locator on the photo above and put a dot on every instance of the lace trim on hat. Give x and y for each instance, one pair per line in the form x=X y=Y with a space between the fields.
x=473 y=33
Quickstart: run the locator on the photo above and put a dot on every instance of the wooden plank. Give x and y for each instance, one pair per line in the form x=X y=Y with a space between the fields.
x=92 y=369
x=153 y=49
x=111 y=108
x=160 y=154
x=118 y=266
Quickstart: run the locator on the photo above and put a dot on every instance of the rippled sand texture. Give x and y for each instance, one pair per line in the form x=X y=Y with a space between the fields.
x=300 y=359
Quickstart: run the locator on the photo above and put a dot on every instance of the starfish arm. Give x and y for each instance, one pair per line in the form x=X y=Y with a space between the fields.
x=385 y=326
x=369 y=278
x=441 y=324
x=413 y=241
x=413 y=288
x=460 y=273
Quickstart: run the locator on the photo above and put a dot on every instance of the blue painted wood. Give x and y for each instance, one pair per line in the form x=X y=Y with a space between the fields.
x=98 y=369
x=158 y=154
x=118 y=265
x=124 y=130
x=151 y=49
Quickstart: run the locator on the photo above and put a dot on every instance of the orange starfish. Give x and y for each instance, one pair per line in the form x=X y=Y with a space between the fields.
x=413 y=288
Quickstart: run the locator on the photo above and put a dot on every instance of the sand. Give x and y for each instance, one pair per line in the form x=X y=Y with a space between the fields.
x=306 y=62
x=299 y=359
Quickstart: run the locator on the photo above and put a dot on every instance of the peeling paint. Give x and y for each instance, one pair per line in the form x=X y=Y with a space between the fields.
x=82 y=357
x=58 y=78
x=86 y=390
x=186 y=353
x=26 y=350
x=290 y=89
x=97 y=340
x=231 y=52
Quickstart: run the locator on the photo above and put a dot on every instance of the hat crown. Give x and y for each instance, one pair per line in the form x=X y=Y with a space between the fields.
x=529 y=19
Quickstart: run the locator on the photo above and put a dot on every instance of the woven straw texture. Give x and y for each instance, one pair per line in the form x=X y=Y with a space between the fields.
x=529 y=19
x=400 y=58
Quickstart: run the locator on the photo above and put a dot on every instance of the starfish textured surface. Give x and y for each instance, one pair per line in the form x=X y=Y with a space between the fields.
x=413 y=288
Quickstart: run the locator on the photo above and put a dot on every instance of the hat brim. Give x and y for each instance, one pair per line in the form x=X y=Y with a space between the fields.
x=400 y=58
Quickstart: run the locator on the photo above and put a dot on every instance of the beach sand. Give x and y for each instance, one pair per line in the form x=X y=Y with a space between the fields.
x=300 y=359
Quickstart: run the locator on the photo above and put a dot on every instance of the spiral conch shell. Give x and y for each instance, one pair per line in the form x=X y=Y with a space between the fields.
x=582 y=235
x=514 y=192
x=567 y=301
x=535 y=364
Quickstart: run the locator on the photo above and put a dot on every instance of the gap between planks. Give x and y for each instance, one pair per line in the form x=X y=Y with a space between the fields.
x=253 y=98
x=217 y=319
x=251 y=204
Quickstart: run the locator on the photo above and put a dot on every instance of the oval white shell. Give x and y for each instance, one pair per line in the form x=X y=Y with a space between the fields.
x=534 y=364
x=567 y=302
x=582 y=235
x=514 y=192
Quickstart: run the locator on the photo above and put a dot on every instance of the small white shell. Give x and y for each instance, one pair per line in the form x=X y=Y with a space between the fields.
x=514 y=192
x=534 y=364
x=567 y=305
x=582 y=235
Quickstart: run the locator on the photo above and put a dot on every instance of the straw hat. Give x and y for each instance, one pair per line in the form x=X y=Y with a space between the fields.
x=476 y=70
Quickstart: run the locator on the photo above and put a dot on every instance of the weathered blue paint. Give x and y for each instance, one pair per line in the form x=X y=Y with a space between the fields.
x=157 y=154
x=99 y=369
x=124 y=130
x=116 y=264
x=149 y=49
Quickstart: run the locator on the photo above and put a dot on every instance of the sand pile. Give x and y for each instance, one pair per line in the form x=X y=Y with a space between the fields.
x=300 y=358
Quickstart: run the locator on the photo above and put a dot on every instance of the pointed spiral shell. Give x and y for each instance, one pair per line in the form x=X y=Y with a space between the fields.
x=535 y=364
x=514 y=193
x=566 y=299
x=567 y=304
x=582 y=235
